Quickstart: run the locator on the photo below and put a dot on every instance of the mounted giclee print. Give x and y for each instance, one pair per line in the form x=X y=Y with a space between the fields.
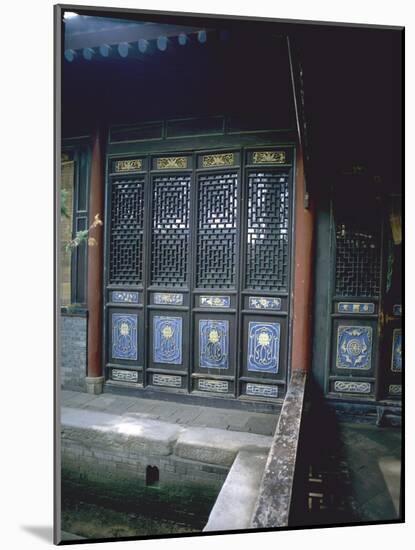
x=229 y=244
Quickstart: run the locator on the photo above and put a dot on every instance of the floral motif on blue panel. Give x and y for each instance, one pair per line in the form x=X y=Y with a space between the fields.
x=263 y=346
x=122 y=297
x=355 y=307
x=168 y=298
x=397 y=350
x=215 y=301
x=354 y=347
x=213 y=344
x=124 y=336
x=167 y=340
x=262 y=302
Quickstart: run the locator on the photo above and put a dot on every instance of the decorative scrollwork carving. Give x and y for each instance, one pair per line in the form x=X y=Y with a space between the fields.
x=224 y=159
x=269 y=157
x=128 y=165
x=167 y=163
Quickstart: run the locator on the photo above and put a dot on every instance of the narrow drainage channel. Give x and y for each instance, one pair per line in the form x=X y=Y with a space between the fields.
x=103 y=510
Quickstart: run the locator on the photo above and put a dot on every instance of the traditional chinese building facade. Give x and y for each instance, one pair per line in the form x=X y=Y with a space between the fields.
x=249 y=183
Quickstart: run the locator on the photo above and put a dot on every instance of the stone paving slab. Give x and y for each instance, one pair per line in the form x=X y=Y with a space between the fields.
x=161 y=411
x=204 y=419
x=185 y=417
x=177 y=413
x=75 y=398
x=139 y=407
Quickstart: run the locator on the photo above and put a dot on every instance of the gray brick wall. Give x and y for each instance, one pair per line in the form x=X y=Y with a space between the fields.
x=124 y=470
x=73 y=337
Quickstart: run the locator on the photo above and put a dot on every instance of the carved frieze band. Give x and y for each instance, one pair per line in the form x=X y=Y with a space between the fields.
x=124 y=375
x=269 y=157
x=168 y=163
x=167 y=380
x=220 y=386
x=351 y=387
x=223 y=159
x=262 y=390
x=128 y=165
x=395 y=389
x=354 y=307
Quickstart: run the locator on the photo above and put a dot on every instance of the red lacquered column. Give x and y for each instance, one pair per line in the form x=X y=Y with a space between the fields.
x=95 y=379
x=303 y=273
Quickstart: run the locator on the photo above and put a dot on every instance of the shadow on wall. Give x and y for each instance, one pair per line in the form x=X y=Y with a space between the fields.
x=338 y=479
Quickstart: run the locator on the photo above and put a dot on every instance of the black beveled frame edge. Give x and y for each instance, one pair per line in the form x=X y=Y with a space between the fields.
x=57 y=97
x=165 y=16
x=161 y=16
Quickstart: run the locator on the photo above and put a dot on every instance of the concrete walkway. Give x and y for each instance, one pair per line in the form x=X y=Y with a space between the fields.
x=174 y=413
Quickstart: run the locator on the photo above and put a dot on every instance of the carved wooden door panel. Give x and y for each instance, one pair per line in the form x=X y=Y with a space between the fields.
x=391 y=314
x=366 y=339
x=198 y=272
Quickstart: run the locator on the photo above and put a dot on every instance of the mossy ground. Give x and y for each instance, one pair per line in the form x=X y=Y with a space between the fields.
x=93 y=513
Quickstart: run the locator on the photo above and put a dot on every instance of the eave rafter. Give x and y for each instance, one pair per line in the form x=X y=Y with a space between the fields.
x=129 y=37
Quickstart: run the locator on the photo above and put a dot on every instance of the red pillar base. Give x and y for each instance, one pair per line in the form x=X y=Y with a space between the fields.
x=94 y=384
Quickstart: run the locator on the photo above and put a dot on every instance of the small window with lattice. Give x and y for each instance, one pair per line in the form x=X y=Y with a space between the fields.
x=358 y=246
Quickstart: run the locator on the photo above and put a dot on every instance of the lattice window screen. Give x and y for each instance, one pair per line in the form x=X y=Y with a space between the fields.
x=216 y=231
x=357 y=261
x=268 y=232
x=126 y=240
x=170 y=230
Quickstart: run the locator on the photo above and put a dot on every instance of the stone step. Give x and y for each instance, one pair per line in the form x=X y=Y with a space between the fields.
x=137 y=433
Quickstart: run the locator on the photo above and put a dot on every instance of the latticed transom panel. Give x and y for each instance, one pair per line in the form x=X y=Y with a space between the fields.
x=170 y=230
x=216 y=230
x=267 y=246
x=357 y=262
x=126 y=240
